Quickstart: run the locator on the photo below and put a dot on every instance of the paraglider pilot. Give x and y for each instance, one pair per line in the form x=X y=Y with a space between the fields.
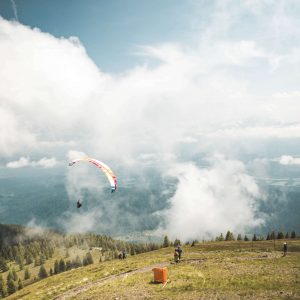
x=79 y=204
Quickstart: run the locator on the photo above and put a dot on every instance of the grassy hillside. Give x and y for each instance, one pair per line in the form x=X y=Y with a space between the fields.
x=215 y=270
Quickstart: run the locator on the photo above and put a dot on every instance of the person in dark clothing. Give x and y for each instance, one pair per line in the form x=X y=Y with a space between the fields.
x=123 y=254
x=284 y=249
x=179 y=250
x=79 y=204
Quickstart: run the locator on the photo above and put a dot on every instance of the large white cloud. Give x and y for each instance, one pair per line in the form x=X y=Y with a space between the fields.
x=212 y=200
x=187 y=100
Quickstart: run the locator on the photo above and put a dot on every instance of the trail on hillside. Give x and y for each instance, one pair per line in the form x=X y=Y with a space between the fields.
x=81 y=289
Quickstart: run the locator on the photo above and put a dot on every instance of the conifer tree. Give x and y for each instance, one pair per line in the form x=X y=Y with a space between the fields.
x=15 y=275
x=177 y=242
x=239 y=237
x=229 y=236
x=19 y=259
x=68 y=265
x=62 y=265
x=268 y=237
x=11 y=287
x=89 y=258
x=3 y=287
x=20 y=284
x=77 y=262
x=166 y=242
x=254 y=238
x=56 y=267
x=28 y=259
x=42 y=272
x=280 y=235
x=246 y=239
x=42 y=259
x=36 y=262
x=10 y=276
x=3 y=265
x=287 y=235
x=293 y=234
x=26 y=274
x=272 y=236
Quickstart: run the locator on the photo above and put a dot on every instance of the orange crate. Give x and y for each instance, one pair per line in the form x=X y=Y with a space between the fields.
x=160 y=274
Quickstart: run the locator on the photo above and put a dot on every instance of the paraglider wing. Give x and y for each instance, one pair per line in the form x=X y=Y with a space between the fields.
x=102 y=166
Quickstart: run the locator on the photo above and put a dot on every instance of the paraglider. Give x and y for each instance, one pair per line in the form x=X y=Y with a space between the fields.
x=107 y=171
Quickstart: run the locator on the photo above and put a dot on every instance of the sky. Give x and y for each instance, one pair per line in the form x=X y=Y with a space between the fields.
x=193 y=104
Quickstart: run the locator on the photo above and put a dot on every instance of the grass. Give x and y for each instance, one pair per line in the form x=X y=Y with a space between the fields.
x=215 y=270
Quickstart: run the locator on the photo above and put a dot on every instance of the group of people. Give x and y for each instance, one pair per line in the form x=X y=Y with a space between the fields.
x=122 y=255
x=177 y=253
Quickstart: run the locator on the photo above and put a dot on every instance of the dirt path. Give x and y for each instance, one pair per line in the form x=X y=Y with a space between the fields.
x=81 y=289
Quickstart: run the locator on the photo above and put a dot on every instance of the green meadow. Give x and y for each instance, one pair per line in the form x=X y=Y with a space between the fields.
x=209 y=270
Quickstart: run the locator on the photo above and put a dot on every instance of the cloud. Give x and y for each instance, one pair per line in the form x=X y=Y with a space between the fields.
x=289 y=160
x=212 y=200
x=25 y=162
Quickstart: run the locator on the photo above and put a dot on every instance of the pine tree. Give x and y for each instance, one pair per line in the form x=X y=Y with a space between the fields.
x=28 y=259
x=26 y=274
x=19 y=259
x=84 y=261
x=42 y=272
x=268 y=237
x=239 y=237
x=177 y=242
x=20 y=284
x=3 y=287
x=287 y=235
x=254 y=238
x=272 y=236
x=56 y=267
x=42 y=259
x=89 y=258
x=77 y=262
x=36 y=262
x=246 y=239
x=166 y=242
x=15 y=275
x=229 y=236
x=11 y=287
x=280 y=235
x=10 y=276
x=293 y=234
x=3 y=265
x=62 y=265
x=68 y=265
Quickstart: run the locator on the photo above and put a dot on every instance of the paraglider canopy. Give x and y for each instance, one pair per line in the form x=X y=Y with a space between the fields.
x=102 y=166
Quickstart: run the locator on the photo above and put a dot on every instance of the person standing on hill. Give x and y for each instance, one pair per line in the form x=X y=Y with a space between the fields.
x=284 y=249
x=179 y=250
x=176 y=256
